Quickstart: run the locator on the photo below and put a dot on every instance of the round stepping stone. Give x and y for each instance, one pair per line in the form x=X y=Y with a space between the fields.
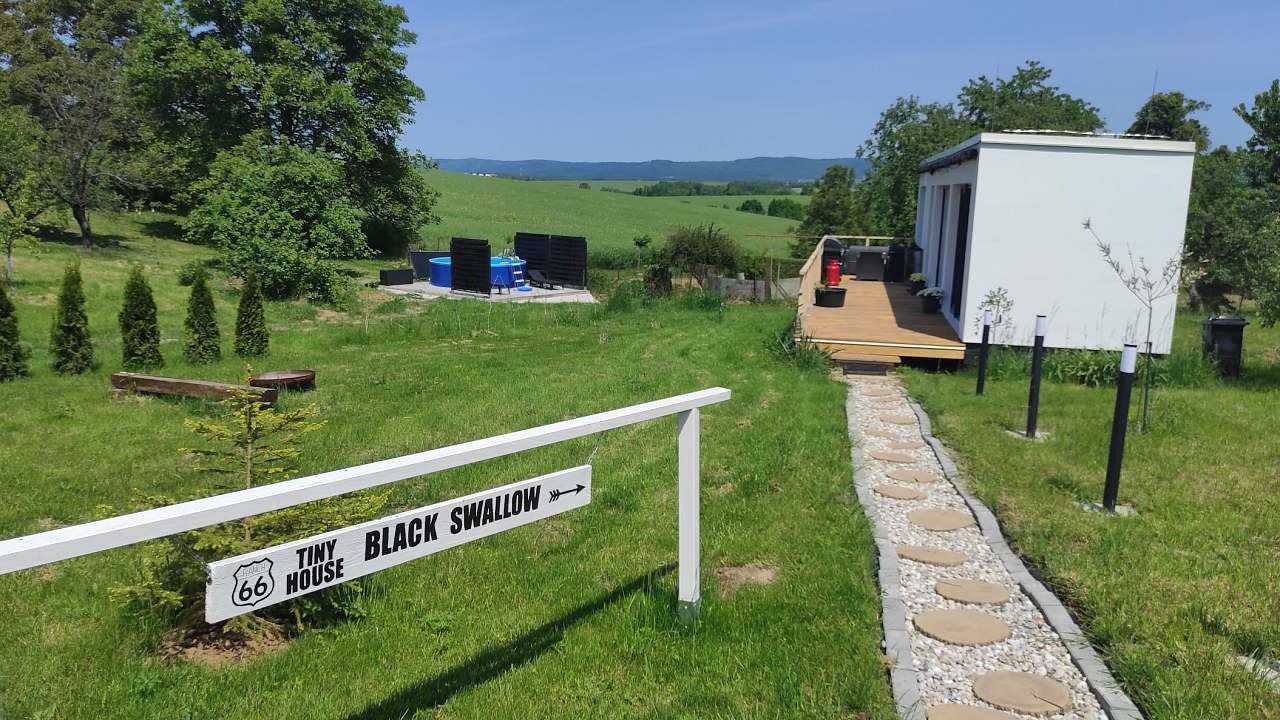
x=906 y=445
x=966 y=712
x=878 y=392
x=900 y=492
x=974 y=592
x=899 y=419
x=1022 y=693
x=908 y=475
x=877 y=432
x=940 y=520
x=931 y=555
x=892 y=457
x=962 y=627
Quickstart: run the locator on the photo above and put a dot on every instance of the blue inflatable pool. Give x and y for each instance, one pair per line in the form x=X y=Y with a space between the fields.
x=501 y=271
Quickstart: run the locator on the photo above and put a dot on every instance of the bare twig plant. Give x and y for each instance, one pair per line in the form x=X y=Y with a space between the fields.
x=1148 y=286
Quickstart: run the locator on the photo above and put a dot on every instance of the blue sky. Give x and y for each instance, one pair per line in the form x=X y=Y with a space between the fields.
x=692 y=80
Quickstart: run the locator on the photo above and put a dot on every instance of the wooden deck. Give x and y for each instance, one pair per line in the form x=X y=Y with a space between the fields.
x=879 y=320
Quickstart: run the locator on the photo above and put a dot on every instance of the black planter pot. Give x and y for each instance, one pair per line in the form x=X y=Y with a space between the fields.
x=828 y=297
x=916 y=286
x=932 y=305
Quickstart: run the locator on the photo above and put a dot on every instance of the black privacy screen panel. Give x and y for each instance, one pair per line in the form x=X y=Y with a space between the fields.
x=567 y=260
x=470 y=259
x=532 y=249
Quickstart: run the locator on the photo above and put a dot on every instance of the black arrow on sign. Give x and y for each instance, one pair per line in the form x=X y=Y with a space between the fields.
x=555 y=494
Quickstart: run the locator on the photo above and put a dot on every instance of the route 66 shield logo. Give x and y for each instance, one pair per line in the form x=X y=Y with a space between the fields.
x=254 y=583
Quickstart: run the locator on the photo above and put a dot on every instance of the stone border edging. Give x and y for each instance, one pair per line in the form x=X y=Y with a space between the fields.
x=897 y=644
x=1113 y=700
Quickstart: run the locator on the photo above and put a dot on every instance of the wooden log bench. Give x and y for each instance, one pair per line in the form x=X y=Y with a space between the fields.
x=156 y=385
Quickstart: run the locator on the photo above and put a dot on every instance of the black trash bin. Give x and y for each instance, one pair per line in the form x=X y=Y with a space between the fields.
x=1224 y=341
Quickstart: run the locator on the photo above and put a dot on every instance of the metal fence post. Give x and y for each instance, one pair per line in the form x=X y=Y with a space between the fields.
x=982 y=351
x=1037 y=363
x=1119 y=425
x=689 y=593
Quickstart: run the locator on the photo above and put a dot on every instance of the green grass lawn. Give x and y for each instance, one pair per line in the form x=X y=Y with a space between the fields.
x=568 y=618
x=496 y=208
x=1171 y=594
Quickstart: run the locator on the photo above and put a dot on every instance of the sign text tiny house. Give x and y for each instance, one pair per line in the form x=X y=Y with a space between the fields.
x=265 y=577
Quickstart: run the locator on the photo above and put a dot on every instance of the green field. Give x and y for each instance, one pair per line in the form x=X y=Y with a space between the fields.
x=569 y=618
x=496 y=208
x=1173 y=594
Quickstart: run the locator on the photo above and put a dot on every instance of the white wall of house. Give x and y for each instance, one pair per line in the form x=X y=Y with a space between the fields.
x=1030 y=195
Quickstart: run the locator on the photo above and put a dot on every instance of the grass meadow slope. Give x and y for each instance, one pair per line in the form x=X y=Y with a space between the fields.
x=569 y=618
x=496 y=208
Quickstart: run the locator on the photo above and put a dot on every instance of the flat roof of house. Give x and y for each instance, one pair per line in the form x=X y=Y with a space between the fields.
x=968 y=150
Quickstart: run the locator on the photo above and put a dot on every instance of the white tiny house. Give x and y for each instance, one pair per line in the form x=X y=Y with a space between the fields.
x=1004 y=213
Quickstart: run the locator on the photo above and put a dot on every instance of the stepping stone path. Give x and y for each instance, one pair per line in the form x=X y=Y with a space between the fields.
x=915 y=476
x=966 y=712
x=941 y=520
x=893 y=457
x=931 y=555
x=972 y=592
x=979 y=649
x=962 y=627
x=1023 y=693
x=878 y=433
x=900 y=492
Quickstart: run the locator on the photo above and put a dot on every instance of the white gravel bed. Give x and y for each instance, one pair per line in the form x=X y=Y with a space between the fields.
x=945 y=672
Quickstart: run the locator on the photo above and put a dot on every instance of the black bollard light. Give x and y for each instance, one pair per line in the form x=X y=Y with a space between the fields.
x=982 y=351
x=1119 y=425
x=1037 y=363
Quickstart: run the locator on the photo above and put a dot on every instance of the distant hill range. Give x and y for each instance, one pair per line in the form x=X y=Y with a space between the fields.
x=780 y=169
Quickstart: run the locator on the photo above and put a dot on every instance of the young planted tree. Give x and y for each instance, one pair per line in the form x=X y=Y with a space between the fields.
x=1148 y=286
x=831 y=212
x=700 y=250
x=13 y=356
x=202 y=342
x=252 y=338
x=139 y=331
x=256 y=444
x=69 y=343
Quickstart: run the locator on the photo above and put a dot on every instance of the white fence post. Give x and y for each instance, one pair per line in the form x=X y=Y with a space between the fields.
x=689 y=593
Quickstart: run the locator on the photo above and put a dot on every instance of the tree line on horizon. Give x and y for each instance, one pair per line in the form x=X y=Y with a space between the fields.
x=1231 y=251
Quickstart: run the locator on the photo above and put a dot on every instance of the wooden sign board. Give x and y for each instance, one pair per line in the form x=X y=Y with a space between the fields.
x=258 y=579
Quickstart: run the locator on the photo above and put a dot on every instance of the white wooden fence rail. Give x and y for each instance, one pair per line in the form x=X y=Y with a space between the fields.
x=69 y=542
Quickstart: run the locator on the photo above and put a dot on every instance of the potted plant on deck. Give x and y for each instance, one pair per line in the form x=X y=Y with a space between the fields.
x=828 y=296
x=932 y=299
x=917 y=282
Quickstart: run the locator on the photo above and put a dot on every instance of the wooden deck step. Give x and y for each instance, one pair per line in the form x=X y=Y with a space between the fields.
x=849 y=356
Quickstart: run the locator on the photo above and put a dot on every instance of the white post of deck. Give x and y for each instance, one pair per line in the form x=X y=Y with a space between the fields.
x=689 y=593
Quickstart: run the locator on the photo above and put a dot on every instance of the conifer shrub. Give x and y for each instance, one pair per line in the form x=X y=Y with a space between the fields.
x=70 y=347
x=252 y=338
x=13 y=354
x=202 y=341
x=255 y=444
x=139 y=331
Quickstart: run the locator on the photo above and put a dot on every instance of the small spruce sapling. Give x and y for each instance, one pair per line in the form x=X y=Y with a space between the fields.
x=202 y=342
x=13 y=354
x=252 y=338
x=139 y=331
x=69 y=344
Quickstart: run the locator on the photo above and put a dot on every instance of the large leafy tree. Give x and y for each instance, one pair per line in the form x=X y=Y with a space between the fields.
x=830 y=212
x=1263 y=147
x=22 y=196
x=62 y=61
x=1025 y=100
x=1169 y=114
x=907 y=132
x=323 y=75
